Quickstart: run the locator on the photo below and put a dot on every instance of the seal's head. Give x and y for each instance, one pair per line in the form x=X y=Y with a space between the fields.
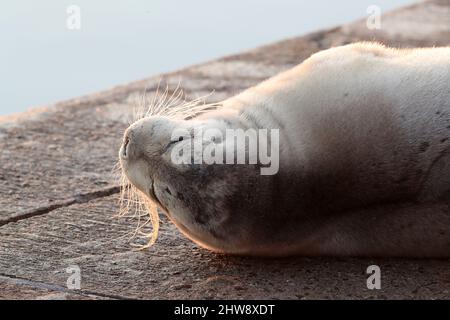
x=199 y=198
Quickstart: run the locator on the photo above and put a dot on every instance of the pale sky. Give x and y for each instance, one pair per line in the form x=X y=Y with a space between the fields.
x=42 y=61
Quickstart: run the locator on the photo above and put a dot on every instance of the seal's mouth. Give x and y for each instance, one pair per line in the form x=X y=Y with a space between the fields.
x=152 y=194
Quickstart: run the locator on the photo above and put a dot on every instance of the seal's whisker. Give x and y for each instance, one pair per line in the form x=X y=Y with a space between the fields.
x=175 y=98
x=174 y=95
x=152 y=103
x=138 y=109
x=161 y=100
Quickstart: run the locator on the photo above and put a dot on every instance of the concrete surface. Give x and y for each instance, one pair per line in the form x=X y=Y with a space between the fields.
x=58 y=194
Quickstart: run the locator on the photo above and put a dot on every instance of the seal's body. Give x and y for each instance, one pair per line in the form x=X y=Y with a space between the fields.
x=364 y=160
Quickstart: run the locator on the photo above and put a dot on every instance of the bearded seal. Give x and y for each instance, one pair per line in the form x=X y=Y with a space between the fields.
x=364 y=160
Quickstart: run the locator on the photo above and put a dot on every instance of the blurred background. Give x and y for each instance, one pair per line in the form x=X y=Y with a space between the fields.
x=42 y=60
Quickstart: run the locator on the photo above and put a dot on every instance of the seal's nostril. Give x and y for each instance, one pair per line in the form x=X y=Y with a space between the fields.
x=125 y=146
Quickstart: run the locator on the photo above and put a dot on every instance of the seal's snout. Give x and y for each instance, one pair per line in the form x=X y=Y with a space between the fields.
x=135 y=138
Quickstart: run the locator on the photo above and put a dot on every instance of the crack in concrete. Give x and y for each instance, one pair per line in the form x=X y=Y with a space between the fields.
x=77 y=199
x=57 y=288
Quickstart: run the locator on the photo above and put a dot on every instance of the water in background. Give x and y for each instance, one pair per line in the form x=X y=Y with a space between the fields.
x=42 y=61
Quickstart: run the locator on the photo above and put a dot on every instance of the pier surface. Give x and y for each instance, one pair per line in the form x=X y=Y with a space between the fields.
x=58 y=195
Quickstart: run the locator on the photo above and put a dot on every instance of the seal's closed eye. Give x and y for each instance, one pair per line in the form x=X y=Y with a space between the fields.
x=171 y=143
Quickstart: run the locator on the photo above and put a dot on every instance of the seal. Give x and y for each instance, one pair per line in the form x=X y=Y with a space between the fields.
x=364 y=160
